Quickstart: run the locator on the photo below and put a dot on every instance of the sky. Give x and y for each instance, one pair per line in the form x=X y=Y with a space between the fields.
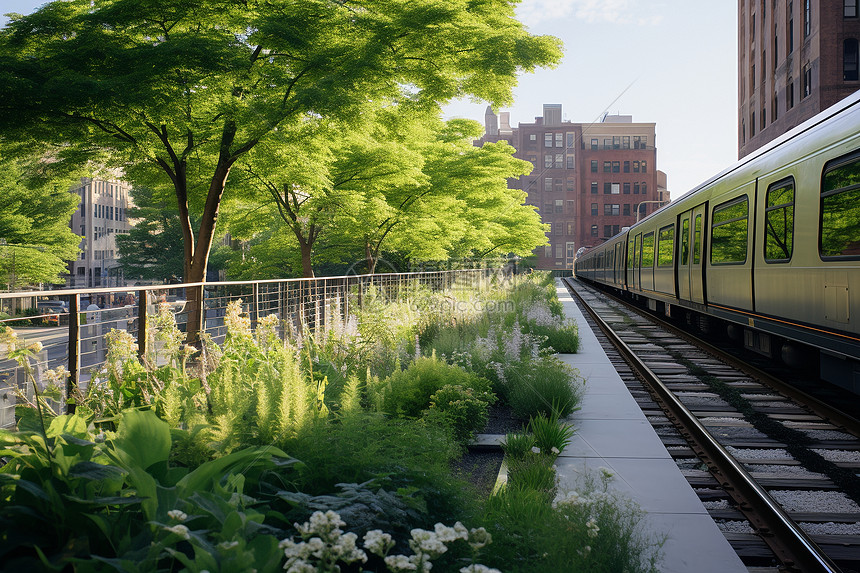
x=669 y=62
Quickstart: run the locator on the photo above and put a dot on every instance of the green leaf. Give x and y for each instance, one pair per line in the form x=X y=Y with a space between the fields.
x=73 y=425
x=202 y=477
x=142 y=438
x=94 y=471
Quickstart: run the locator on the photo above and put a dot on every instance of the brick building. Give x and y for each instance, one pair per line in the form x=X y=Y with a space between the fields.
x=588 y=179
x=795 y=59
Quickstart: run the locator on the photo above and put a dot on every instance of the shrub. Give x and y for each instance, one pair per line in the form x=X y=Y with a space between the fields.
x=517 y=446
x=542 y=387
x=407 y=392
x=550 y=436
x=535 y=472
x=465 y=410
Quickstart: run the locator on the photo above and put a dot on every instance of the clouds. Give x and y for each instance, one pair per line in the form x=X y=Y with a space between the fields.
x=533 y=12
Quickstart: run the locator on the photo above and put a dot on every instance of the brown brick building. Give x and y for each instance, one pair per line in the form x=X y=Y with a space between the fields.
x=795 y=59
x=588 y=179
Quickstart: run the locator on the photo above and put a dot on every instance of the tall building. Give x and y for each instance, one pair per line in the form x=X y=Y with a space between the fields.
x=795 y=59
x=100 y=217
x=588 y=179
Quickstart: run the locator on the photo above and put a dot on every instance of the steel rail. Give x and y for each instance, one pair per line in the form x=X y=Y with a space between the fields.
x=792 y=546
x=820 y=408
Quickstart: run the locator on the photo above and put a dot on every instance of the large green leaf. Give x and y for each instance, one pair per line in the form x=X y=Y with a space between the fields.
x=72 y=425
x=142 y=438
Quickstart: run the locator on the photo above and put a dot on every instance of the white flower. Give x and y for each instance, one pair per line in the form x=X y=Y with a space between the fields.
x=179 y=530
x=424 y=541
x=478 y=568
x=535 y=449
x=377 y=542
x=606 y=473
x=448 y=534
x=584 y=552
x=479 y=537
x=555 y=450
x=36 y=347
x=593 y=529
x=299 y=566
x=399 y=563
x=228 y=545
x=178 y=515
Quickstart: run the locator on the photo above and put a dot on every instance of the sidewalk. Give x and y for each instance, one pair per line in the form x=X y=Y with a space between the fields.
x=612 y=432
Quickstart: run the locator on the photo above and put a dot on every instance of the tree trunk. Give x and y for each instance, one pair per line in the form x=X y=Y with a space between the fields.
x=307 y=269
x=370 y=260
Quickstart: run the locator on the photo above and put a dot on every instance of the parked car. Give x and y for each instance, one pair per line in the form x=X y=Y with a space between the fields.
x=53 y=309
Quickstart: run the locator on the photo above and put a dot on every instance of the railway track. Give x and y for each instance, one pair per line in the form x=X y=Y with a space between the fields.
x=778 y=474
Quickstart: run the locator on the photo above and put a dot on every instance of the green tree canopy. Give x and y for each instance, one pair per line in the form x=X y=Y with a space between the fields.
x=35 y=239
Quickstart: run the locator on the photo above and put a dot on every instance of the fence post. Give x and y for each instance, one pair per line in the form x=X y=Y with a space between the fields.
x=74 y=349
x=142 y=300
x=255 y=304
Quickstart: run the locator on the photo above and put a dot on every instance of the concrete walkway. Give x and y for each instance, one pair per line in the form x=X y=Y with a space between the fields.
x=612 y=432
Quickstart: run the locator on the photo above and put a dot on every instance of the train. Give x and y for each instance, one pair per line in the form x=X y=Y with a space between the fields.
x=766 y=252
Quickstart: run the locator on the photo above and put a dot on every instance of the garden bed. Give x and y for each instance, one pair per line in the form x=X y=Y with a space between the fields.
x=350 y=433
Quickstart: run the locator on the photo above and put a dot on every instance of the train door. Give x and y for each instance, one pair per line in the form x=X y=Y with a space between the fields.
x=618 y=260
x=637 y=255
x=690 y=249
x=629 y=258
x=697 y=253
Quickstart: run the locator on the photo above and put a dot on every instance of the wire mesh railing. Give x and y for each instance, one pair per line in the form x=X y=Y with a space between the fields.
x=68 y=328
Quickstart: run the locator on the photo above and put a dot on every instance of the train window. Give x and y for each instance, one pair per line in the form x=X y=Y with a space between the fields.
x=779 y=222
x=685 y=241
x=637 y=251
x=648 y=250
x=630 y=251
x=697 y=240
x=840 y=209
x=666 y=246
x=729 y=232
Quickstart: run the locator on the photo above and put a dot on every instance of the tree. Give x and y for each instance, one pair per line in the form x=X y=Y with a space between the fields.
x=152 y=249
x=188 y=87
x=462 y=208
x=35 y=239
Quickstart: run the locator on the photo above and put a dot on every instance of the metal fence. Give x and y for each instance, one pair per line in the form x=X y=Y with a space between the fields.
x=70 y=325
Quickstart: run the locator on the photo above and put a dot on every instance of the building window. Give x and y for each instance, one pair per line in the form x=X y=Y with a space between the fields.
x=594 y=144
x=789 y=94
x=547 y=207
x=807 y=81
x=594 y=166
x=729 y=232
x=559 y=206
x=763 y=119
x=594 y=187
x=594 y=230
x=647 y=251
x=850 y=9
x=849 y=60
x=790 y=27
x=607 y=166
x=625 y=142
x=774 y=111
x=627 y=188
x=807 y=18
x=559 y=140
x=571 y=164
x=635 y=167
x=615 y=189
x=607 y=188
x=559 y=160
x=571 y=183
x=626 y=210
x=547 y=160
x=547 y=183
x=571 y=230
x=752 y=124
x=644 y=188
x=594 y=212
x=611 y=209
x=636 y=189
x=607 y=143
x=557 y=184
x=840 y=209
x=616 y=167
x=547 y=251
x=533 y=137
x=571 y=138
x=616 y=142
x=644 y=167
x=779 y=222
x=570 y=207
x=626 y=167
x=547 y=140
